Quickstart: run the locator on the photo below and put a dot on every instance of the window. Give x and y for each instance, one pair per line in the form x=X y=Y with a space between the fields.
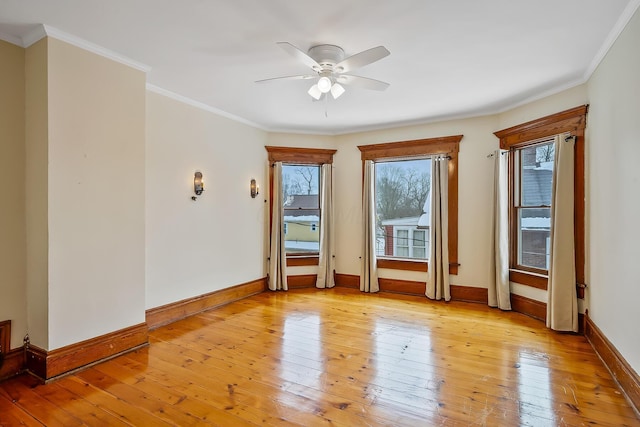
x=300 y=195
x=402 y=207
x=301 y=203
x=532 y=206
x=530 y=169
x=399 y=245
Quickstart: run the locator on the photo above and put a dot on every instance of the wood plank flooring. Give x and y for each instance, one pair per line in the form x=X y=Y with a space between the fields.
x=336 y=358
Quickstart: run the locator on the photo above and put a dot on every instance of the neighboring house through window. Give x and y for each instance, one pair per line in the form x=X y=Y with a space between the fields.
x=402 y=198
x=402 y=207
x=532 y=206
x=301 y=202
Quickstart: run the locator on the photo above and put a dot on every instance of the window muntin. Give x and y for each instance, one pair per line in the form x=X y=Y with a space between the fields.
x=301 y=204
x=402 y=207
x=532 y=188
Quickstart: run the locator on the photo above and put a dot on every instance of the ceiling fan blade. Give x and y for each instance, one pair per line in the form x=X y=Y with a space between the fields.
x=300 y=77
x=300 y=55
x=362 y=82
x=361 y=59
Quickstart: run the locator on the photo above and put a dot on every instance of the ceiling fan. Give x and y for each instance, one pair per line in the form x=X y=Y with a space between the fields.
x=330 y=68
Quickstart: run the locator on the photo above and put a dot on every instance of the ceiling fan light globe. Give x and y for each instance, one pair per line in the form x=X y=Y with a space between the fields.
x=324 y=84
x=315 y=92
x=337 y=90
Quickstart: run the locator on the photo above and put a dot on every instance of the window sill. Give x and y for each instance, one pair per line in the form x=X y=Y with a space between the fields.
x=526 y=278
x=402 y=264
x=302 y=260
x=411 y=265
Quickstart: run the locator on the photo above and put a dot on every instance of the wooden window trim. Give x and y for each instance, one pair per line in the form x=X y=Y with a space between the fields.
x=317 y=156
x=572 y=121
x=296 y=155
x=294 y=260
x=446 y=145
x=534 y=280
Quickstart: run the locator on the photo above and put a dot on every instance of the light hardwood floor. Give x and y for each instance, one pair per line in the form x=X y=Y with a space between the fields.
x=336 y=357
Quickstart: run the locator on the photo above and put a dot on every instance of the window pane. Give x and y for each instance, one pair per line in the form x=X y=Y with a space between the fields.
x=534 y=227
x=301 y=202
x=536 y=170
x=402 y=204
x=419 y=250
x=418 y=238
x=403 y=238
x=402 y=251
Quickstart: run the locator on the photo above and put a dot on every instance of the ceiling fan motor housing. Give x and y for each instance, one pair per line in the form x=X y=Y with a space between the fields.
x=327 y=55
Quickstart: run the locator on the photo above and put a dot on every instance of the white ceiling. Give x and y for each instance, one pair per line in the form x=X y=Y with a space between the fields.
x=448 y=58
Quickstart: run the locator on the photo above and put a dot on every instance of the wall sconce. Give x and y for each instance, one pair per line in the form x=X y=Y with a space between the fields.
x=198 y=185
x=255 y=190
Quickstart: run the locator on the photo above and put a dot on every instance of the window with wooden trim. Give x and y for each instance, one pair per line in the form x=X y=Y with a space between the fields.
x=530 y=170
x=409 y=245
x=301 y=202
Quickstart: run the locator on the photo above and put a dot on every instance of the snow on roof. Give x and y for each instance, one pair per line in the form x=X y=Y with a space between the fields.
x=424 y=221
x=401 y=221
x=301 y=246
x=536 y=223
x=302 y=218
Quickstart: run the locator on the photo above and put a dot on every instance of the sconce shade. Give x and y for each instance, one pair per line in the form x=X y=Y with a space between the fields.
x=198 y=185
x=254 y=188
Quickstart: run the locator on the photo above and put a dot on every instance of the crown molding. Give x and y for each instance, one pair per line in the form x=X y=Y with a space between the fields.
x=42 y=31
x=622 y=22
x=201 y=105
x=33 y=36
x=11 y=39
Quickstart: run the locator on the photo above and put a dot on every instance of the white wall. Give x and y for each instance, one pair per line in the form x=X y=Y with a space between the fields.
x=613 y=189
x=37 y=192
x=96 y=194
x=13 y=299
x=475 y=172
x=196 y=247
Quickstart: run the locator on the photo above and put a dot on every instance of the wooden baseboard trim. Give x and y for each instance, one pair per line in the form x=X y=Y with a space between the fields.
x=302 y=281
x=396 y=286
x=528 y=306
x=469 y=294
x=47 y=365
x=620 y=370
x=347 y=280
x=169 y=313
x=13 y=363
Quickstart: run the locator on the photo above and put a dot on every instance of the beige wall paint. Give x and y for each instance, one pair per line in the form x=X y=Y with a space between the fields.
x=552 y=104
x=13 y=303
x=475 y=187
x=37 y=191
x=96 y=195
x=217 y=241
x=613 y=202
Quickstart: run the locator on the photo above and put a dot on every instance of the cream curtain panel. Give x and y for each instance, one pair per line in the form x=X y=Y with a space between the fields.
x=326 y=260
x=278 y=257
x=369 y=270
x=499 y=295
x=562 y=299
x=438 y=273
